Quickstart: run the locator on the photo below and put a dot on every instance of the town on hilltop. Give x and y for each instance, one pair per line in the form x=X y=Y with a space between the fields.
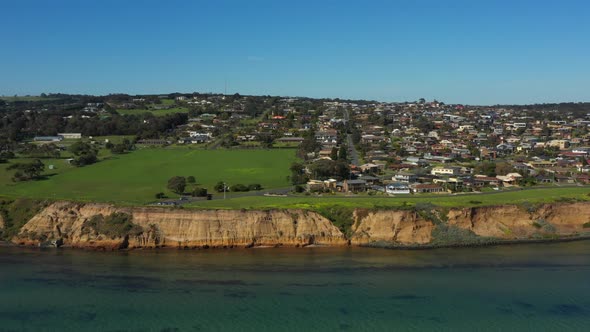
x=344 y=147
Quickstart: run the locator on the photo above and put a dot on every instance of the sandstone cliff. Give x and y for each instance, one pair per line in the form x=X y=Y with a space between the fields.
x=403 y=227
x=181 y=227
x=470 y=225
x=154 y=227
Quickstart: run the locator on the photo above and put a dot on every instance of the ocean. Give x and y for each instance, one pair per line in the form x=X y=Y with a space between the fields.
x=536 y=287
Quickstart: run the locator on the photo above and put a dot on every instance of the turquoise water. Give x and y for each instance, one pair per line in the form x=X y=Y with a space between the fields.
x=524 y=287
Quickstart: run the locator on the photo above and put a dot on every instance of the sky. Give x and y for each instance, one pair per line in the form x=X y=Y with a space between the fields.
x=470 y=51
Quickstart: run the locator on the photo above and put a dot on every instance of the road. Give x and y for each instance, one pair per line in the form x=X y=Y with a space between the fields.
x=354 y=156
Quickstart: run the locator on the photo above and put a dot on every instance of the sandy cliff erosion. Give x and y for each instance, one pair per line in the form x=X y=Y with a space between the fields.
x=181 y=227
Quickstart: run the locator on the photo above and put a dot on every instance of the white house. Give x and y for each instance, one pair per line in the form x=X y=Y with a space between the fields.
x=397 y=188
x=70 y=135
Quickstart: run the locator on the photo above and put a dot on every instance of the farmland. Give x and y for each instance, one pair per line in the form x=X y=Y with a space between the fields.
x=136 y=177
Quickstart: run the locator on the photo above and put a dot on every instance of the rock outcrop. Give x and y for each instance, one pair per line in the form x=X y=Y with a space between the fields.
x=181 y=227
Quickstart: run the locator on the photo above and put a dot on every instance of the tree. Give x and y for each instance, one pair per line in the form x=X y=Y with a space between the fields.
x=343 y=152
x=199 y=192
x=255 y=186
x=239 y=187
x=504 y=168
x=27 y=171
x=334 y=154
x=298 y=175
x=220 y=186
x=177 y=184
x=191 y=179
x=86 y=154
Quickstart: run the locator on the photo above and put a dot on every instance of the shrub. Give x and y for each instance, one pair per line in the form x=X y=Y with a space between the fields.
x=299 y=188
x=118 y=224
x=341 y=217
x=160 y=195
x=238 y=187
x=199 y=192
x=255 y=186
x=16 y=214
x=586 y=225
x=444 y=234
x=191 y=179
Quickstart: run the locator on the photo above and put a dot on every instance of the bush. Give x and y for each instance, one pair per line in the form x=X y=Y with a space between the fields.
x=117 y=224
x=444 y=234
x=191 y=179
x=199 y=192
x=16 y=214
x=586 y=225
x=544 y=225
x=238 y=187
x=160 y=195
x=254 y=186
x=299 y=188
x=341 y=217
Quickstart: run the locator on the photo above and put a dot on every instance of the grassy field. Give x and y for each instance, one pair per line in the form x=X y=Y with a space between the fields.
x=153 y=111
x=540 y=195
x=136 y=177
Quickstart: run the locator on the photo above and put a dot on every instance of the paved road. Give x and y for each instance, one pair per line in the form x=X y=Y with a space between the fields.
x=354 y=156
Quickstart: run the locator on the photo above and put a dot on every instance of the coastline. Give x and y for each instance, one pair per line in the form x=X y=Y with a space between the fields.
x=104 y=227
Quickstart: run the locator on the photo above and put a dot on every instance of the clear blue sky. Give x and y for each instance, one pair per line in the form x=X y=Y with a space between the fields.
x=477 y=52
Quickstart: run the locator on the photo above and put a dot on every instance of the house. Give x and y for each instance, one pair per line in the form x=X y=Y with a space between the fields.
x=70 y=135
x=354 y=186
x=370 y=180
x=510 y=178
x=315 y=185
x=451 y=170
x=427 y=188
x=397 y=188
x=371 y=167
x=153 y=142
x=194 y=140
x=48 y=138
x=327 y=136
x=405 y=177
x=296 y=140
x=561 y=144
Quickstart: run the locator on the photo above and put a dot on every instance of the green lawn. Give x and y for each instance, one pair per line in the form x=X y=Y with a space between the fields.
x=310 y=202
x=136 y=177
x=153 y=111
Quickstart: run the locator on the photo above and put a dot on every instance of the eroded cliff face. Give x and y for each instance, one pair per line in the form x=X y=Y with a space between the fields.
x=513 y=222
x=154 y=227
x=495 y=223
x=403 y=227
x=181 y=227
